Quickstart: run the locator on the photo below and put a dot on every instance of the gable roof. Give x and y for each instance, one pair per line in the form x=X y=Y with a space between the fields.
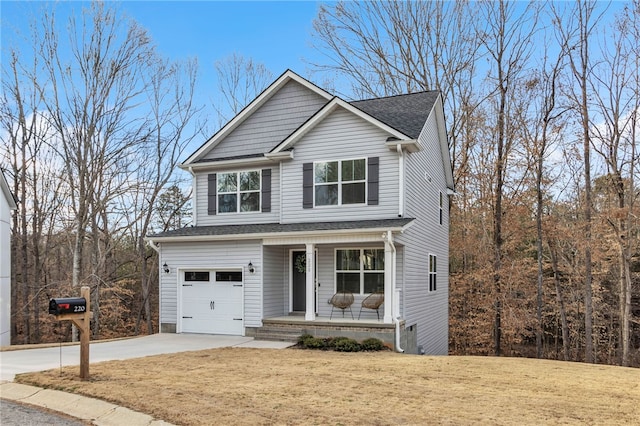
x=246 y=112
x=326 y=110
x=4 y=188
x=406 y=113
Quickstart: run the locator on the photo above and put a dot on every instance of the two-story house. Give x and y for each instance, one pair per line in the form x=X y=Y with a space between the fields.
x=304 y=195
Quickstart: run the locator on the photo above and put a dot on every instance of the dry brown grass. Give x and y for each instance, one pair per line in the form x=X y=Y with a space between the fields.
x=258 y=386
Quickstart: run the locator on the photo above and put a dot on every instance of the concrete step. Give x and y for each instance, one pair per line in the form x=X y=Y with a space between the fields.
x=277 y=337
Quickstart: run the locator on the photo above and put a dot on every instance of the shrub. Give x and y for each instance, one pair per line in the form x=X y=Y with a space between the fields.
x=344 y=344
x=307 y=341
x=372 y=344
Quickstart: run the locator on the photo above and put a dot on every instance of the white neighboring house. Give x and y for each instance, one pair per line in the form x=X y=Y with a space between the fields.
x=7 y=204
x=304 y=195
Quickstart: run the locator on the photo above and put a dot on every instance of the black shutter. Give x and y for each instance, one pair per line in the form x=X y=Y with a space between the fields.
x=307 y=185
x=266 y=190
x=212 y=196
x=373 y=180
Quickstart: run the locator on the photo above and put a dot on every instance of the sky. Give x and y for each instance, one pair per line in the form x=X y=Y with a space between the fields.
x=276 y=34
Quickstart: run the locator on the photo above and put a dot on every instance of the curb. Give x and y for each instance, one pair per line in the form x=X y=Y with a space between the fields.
x=98 y=412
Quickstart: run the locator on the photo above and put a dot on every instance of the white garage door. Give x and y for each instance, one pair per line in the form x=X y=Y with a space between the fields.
x=212 y=302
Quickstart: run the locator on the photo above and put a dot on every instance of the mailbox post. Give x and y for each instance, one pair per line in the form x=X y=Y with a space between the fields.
x=77 y=310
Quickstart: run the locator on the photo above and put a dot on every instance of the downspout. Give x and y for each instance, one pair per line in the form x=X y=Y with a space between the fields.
x=400 y=180
x=194 y=198
x=394 y=295
x=157 y=249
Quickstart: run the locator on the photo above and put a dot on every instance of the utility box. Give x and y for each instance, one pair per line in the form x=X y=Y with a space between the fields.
x=67 y=305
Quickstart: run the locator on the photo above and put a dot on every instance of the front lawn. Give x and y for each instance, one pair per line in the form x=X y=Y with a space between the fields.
x=291 y=386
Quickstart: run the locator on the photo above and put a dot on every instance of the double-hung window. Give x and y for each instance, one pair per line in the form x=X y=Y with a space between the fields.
x=340 y=182
x=432 y=272
x=238 y=191
x=360 y=271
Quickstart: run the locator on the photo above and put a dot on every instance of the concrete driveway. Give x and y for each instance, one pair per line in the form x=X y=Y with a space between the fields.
x=27 y=360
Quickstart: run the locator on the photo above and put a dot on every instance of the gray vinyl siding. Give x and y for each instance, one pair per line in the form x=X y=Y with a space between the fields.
x=205 y=219
x=212 y=255
x=276 y=119
x=276 y=281
x=427 y=310
x=341 y=136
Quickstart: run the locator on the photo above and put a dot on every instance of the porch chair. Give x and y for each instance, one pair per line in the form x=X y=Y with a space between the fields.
x=372 y=301
x=341 y=300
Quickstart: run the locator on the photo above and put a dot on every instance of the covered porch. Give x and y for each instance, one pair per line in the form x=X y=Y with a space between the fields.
x=302 y=274
x=291 y=327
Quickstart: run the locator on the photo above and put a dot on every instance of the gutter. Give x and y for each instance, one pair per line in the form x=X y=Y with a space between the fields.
x=153 y=246
x=394 y=296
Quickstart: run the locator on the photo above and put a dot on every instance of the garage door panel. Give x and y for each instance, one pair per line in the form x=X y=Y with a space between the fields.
x=212 y=307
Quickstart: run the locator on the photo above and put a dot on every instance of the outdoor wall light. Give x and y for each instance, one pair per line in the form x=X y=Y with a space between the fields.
x=165 y=268
x=252 y=269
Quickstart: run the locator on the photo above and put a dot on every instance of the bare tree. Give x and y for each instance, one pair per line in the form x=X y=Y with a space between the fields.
x=614 y=92
x=507 y=38
x=575 y=29
x=240 y=80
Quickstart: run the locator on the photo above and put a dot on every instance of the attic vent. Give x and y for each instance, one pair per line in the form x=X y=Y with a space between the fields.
x=392 y=138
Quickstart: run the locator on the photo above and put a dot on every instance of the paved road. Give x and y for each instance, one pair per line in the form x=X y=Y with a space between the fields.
x=14 y=414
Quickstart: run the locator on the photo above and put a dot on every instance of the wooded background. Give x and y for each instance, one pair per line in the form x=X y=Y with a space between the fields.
x=541 y=101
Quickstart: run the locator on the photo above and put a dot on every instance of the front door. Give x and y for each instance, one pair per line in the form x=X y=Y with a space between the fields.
x=299 y=280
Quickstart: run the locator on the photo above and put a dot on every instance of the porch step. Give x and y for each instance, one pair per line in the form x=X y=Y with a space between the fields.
x=278 y=333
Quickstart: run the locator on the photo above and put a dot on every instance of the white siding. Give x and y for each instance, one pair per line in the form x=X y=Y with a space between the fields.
x=212 y=255
x=424 y=181
x=205 y=219
x=284 y=112
x=5 y=267
x=340 y=136
x=276 y=281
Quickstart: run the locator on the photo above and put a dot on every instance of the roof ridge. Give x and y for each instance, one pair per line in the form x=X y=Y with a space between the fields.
x=396 y=96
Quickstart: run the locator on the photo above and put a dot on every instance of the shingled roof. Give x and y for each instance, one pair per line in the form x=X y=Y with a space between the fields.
x=405 y=113
x=272 y=228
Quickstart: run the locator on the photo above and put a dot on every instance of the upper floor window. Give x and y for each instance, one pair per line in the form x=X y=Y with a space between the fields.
x=238 y=191
x=340 y=182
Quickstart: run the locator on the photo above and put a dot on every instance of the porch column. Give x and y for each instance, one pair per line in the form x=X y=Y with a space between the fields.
x=388 y=280
x=310 y=313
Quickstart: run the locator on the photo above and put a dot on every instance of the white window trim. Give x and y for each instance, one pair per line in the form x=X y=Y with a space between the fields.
x=441 y=209
x=433 y=273
x=339 y=182
x=361 y=271
x=238 y=192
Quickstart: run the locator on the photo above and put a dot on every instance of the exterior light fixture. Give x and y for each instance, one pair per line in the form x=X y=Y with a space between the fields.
x=252 y=269
x=165 y=268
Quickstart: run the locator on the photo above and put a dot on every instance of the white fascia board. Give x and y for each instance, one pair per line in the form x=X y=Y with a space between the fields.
x=251 y=108
x=324 y=112
x=304 y=235
x=4 y=186
x=265 y=160
x=438 y=110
